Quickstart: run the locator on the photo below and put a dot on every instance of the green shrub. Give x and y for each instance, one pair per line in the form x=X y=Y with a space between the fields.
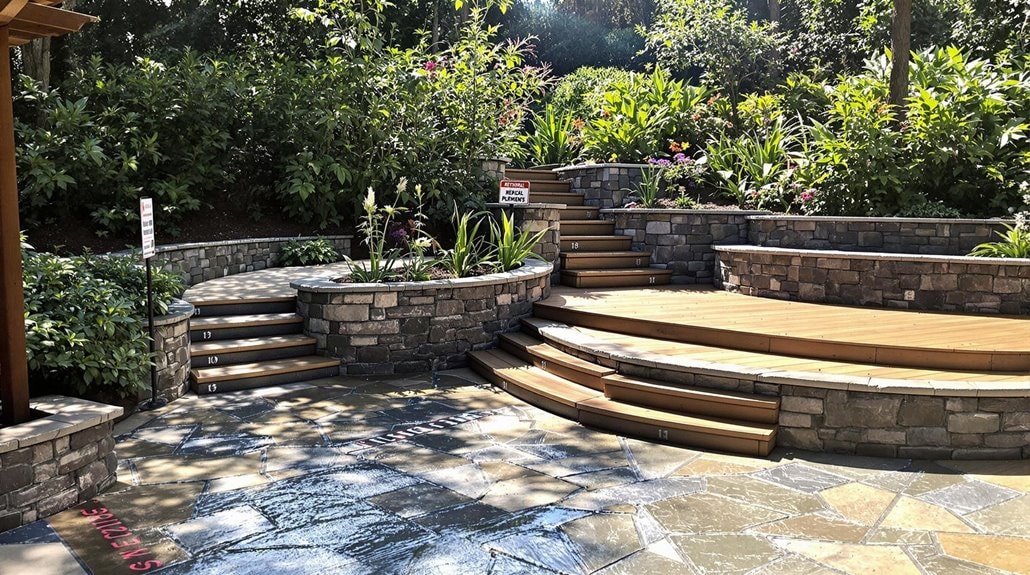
x=85 y=322
x=511 y=247
x=581 y=93
x=1015 y=243
x=554 y=139
x=308 y=253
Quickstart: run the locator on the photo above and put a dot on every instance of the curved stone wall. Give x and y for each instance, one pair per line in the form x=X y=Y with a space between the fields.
x=172 y=344
x=907 y=281
x=417 y=326
x=198 y=262
x=940 y=236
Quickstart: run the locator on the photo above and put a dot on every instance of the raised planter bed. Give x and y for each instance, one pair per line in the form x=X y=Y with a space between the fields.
x=417 y=326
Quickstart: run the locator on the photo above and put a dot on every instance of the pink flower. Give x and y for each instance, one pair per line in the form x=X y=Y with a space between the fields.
x=806 y=196
x=430 y=66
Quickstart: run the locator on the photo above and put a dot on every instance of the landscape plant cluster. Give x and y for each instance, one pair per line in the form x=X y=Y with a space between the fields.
x=410 y=253
x=85 y=322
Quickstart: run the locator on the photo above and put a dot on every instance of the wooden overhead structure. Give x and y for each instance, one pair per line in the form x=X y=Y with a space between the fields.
x=21 y=21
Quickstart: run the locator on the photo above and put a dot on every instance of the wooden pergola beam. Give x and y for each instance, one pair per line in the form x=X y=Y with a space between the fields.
x=20 y=21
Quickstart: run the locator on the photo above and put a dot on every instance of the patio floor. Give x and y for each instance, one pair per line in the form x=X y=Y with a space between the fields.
x=398 y=475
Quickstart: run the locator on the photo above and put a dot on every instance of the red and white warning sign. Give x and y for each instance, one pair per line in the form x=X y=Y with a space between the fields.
x=514 y=192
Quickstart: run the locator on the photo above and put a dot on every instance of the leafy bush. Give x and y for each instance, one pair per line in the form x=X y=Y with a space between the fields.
x=581 y=93
x=308 y=253
x=554 y=139
x=85 y=322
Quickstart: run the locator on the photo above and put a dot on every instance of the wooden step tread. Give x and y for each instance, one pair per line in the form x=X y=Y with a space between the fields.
x=728 y=397
x=537 y=381
x=234 y=321
x=723 y=427
x=619 y=272
x=261 y=368
x=550 y=354
x=249 y=344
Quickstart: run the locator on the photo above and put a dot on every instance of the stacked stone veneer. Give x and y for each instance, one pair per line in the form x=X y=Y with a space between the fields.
x=199 y=262
x=50 y=464
x=940 y=283
x=417 y=326
x=890 y=235
x=903 y=425
x=603 y=185
x=682 y=240
x=172 y=345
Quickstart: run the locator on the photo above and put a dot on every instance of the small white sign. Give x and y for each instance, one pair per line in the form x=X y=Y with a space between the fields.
x=514 y=192
x=146 y=220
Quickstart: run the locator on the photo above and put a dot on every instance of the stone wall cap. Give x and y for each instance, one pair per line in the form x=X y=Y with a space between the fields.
x=531 y=269
x=878 y=256
x=196 y=245
x=65 y=416
x=883 y=219
x=178 y=310
x=714 y=212
x=600 y=165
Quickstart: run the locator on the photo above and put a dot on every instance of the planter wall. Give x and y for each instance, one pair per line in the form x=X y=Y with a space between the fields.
x=904 y=425
x=50 y=464
x=682 y=240
x=172 y=344
x=417 y=326
x=603 y=185
x=200 y=262
x=890 y=235
x=938 y=283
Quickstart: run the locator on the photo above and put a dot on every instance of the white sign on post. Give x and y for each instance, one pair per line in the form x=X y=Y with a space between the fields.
x=146 y=220
x=514 y=192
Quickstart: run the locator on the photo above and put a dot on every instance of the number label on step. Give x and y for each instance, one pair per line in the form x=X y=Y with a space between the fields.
x=205 y=335
x=196 y=311
x=543 y=364
x=212 y=387
x=212 y=360
x=663 y=433
x=650 y=280
x=575 y=246
x=637 y=262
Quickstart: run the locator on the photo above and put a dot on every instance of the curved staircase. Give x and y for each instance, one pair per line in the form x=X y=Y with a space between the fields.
x=241 y=344
x=591 y=255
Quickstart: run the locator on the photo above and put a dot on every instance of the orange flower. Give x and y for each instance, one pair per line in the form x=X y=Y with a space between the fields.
x=675 y=147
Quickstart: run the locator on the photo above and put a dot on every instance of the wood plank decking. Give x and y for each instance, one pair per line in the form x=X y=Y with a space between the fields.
x=871 y=336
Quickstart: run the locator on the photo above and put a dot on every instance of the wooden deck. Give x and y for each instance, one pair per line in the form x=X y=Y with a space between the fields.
x=879 y=339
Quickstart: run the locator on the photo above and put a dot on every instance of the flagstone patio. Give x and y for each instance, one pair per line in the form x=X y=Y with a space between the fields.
x=447 y=475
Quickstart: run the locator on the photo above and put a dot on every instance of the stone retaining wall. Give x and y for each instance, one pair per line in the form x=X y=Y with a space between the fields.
x=417 y=326
x=603 y=185
x=48 y=465
x=938 y=283
x=682 y=240
x=890 y=235
x=172 y=344
x=901 y=425
x=199 y=262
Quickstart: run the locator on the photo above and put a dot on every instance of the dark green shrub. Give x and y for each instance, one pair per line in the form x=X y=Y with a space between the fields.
x=85 y=322
x=308 y=253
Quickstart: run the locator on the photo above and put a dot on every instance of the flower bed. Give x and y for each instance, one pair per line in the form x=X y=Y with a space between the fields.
x=401 y=327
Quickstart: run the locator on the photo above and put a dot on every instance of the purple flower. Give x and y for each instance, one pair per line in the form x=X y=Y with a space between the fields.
x=680 y=158
x=663 y=162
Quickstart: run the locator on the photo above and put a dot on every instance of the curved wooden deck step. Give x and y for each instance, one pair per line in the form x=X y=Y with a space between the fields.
x=553 y=360
x=684 y=399
x=706 y=316
x=575 y=401
x=246 y=350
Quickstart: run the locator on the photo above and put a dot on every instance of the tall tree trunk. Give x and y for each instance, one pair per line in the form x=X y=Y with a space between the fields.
x=436 y=22
x=774 y=10
x=35 y=57
x=901 y=46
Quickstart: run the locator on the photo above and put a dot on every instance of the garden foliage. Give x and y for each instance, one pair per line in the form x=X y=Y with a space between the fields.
x=85 y=322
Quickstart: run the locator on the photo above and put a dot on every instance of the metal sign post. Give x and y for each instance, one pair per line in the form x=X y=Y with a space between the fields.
x=146 y=218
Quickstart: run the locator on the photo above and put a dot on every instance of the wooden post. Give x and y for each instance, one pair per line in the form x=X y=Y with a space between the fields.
x=14 y=372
